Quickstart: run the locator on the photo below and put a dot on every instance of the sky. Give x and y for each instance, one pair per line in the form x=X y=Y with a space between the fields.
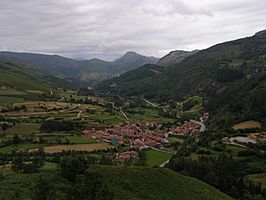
x=106 y=29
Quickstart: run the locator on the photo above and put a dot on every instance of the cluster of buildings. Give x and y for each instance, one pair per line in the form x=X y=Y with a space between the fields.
x=141 y=134
x=127 y=155
x=187 y=128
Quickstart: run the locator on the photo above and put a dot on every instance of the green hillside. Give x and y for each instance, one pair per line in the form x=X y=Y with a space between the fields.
x=91 y=71
x=139 y=183
x=19 y=82
x=234 y=70
x=132 y=183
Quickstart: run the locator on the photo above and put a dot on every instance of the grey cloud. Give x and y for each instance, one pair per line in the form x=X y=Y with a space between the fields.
x=106 y=29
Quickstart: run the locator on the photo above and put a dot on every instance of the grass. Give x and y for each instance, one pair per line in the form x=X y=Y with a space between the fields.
x=107 y=118
x=11 y=91
x=131 y=183
x=155 y=158
x=7 y=100
x=49 y=165
x=77 y=147
x=234 y=149
x=144 y=183
x=150 y=114
x=80 y=140
x=247 y=124
x=173 y=139
x=10 y=148
x=23 y=129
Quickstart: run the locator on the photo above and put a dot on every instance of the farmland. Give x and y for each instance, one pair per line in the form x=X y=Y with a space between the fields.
x=247 y=125
x=155 y=158
x=76 y=147
x=106 y=131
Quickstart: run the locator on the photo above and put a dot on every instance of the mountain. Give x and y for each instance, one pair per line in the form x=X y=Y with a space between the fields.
x=22 y=77
x=132 y=60
x=19 y=82
x=175 y=57
x=131 y=83
x=233 y=71
x=91 y=71
x=58 y=65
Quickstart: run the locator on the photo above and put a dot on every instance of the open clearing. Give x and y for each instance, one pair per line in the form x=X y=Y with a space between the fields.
x=23 y=129
x=155 y=158
x=76 y=147
x=247 y=124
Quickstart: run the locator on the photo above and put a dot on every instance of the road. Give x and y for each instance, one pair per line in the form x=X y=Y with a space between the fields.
x=152 y=104
x=79 y=113
x=124 y=114
x=164 y=163
x=203 y=127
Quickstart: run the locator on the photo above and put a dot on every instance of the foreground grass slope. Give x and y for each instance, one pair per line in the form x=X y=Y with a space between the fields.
x=131 y=183
x=139 y=183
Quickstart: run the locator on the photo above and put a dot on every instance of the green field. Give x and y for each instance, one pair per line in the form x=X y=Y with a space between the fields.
x=80 y=140
x=150 y=114
x=155 y=158
x=10 y=148
x=173 y=139
x=23 y=129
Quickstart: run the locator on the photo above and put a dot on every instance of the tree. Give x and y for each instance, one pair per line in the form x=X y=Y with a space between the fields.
x=90 y=186
x=17 y=164
x=71 y=167
x=16 y=139
x=43 y=189
x=4 y=126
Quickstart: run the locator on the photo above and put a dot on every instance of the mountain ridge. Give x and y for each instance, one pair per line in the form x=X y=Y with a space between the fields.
x=174 y=57
x=92 y=70
x=212 y=73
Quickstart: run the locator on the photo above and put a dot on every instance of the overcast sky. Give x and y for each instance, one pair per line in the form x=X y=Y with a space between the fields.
x=108 y=28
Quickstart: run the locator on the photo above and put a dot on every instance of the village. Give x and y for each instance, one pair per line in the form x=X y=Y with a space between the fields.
x=139 y=135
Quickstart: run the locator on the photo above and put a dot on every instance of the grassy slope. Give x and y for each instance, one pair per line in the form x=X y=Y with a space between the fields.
x=131 y=183
x=21 y=77
x=155 y=158
x=137 y=183
x=19 y=82
x=225 y=73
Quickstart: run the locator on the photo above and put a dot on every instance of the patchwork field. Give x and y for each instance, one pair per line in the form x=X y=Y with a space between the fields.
x=77 y=147
x=20 y=147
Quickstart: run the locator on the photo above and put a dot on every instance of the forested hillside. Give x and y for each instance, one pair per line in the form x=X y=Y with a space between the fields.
x=233 y=70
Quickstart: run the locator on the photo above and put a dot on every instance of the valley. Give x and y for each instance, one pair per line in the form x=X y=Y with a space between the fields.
x=193 y=129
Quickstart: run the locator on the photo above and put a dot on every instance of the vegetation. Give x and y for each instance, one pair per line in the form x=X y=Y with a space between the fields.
x=155 y=158
x=105 y=182
x=223 y=74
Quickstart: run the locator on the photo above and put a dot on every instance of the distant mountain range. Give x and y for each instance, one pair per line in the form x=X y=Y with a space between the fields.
x=231 y=76
x=175 y=57
x=91 y=71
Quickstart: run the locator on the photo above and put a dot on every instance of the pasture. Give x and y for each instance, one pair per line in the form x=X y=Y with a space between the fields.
x=247 y=125
x=155 y=158
x=76 y=147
